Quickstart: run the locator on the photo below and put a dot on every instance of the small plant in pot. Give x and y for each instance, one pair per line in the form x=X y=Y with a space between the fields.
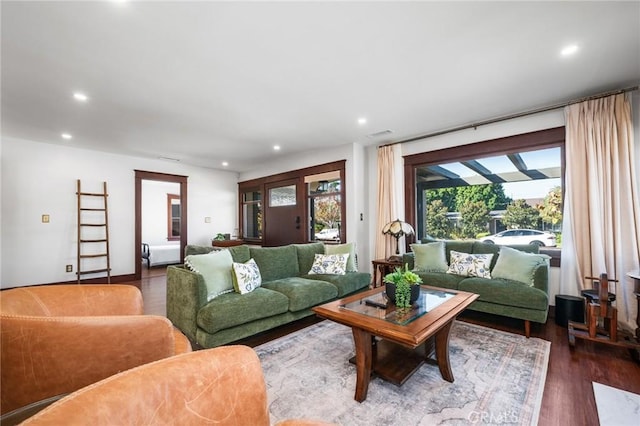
x=402 y=287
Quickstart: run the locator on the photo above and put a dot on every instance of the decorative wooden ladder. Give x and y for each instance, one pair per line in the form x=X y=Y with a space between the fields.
x=93 y=231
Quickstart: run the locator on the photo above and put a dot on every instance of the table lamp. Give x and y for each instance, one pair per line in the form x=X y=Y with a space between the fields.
x=397 y=229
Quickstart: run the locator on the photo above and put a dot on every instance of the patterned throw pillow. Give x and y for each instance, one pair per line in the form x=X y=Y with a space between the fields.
x=470 y=265
x=348 y=248
x=335 y=264
x=246 y=276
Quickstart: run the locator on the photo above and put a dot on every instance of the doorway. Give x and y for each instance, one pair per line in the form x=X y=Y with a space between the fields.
x=141 y=175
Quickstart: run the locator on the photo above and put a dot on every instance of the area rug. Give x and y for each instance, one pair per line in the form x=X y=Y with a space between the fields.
x=615 y=406
x=499 y=379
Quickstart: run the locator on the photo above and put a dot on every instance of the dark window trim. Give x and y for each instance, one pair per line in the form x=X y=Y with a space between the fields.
x=260 y=183
x=542 y=139
x=170 y=237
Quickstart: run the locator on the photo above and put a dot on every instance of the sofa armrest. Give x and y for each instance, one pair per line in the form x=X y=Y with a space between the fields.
x=541 y=278
x=186 y=294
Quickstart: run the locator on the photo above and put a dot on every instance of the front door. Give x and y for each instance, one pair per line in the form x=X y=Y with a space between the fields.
x=284 y=216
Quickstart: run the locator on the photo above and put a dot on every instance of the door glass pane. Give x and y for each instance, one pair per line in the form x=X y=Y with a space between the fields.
x=282 y=196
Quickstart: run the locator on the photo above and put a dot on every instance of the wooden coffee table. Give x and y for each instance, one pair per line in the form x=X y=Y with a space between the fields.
x=406 y=339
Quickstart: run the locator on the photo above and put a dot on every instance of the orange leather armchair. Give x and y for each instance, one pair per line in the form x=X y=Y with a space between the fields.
x=222 y=386
x=57 y=339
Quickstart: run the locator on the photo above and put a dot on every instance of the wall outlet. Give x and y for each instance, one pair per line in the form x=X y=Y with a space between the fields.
x=69 y=268
x=207 y=219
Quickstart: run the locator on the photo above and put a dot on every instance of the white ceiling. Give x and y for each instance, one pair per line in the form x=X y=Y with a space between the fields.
x=206 y=82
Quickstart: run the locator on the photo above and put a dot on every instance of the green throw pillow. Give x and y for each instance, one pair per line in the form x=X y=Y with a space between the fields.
x=469 y=265
x=349 y=248
x=517 y=265
x=246 y=276
x=215 y=268
x=429 y=257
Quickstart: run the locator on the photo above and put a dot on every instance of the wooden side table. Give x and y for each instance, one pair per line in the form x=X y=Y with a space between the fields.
x=226 y=243
x=384 y=267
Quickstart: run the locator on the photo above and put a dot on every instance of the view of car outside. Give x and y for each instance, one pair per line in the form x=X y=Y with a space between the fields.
x=486 y=213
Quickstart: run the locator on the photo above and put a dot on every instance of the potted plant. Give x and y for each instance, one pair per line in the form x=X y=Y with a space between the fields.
x=402 y=287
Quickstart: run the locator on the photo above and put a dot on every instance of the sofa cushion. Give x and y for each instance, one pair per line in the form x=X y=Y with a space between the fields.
x=191 y=249
x=347 y=283
x=335 y=264
x=276 y=262
x=430 y=257
x=463 y=246
x=303 y=293
x=348 y=248
x=306 y=253
x=233 y=309
x=517 y=265
x=506 y=292
x=470 y=265
x=439 y=279
x=240 y=253
x=215 y=268
x=246 y=276
x=488 y=248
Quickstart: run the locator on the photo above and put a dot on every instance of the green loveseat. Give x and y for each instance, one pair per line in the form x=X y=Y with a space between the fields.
x=506 y=297
x=287 y=293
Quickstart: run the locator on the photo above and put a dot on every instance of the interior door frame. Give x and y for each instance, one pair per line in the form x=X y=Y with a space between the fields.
x=141 y=175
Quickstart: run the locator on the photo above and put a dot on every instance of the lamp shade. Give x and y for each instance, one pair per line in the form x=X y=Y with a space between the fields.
x=398 y=228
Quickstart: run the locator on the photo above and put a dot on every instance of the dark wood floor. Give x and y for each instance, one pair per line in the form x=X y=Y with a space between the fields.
x=568 y=393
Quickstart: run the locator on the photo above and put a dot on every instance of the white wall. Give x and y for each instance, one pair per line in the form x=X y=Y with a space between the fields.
x=40 y=178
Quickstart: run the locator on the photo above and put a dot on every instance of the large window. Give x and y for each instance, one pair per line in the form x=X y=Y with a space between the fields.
x=476 y=191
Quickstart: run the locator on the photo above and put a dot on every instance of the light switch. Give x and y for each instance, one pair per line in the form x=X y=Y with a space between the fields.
x=207 y=219
x=45 y=218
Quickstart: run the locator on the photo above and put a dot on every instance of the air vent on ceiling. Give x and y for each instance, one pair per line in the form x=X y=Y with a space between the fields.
x=380 y=133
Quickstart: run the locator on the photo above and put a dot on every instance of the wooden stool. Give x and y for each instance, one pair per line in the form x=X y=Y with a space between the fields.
x=602 y=319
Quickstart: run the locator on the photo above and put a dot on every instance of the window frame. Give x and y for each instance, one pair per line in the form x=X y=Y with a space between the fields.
x=259 y=185
x=542 y=139
x=170 y=236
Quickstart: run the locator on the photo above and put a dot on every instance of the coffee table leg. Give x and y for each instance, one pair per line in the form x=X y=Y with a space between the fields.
x=442 y=352
x=364 y=355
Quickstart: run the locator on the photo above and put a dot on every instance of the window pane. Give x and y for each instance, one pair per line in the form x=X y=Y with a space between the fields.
x=326 y=217
x=252 y=221
x=472 y=199
x=282 y=196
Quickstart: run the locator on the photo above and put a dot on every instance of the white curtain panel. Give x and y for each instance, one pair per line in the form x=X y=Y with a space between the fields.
x=601 y=220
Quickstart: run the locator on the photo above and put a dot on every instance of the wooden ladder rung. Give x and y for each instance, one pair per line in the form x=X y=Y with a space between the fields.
x=92 y=210
x=93 y=224
x=95 y=271
x=93 y=194
x=86 y=256
x=94 y=241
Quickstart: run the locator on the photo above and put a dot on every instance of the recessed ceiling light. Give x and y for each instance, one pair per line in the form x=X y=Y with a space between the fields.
x=569 y=50
x=66 y=136
x=362 y=121
x=79 y=96
x=225 y=164
x=276 y=147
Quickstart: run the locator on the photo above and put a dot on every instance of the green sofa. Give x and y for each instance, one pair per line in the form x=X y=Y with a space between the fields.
x=287 y=293
x=506 y=297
